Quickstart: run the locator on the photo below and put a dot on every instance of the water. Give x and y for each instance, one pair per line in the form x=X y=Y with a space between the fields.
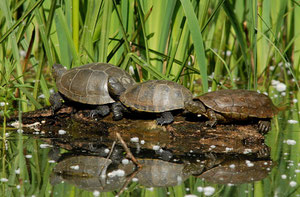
x=67 y=163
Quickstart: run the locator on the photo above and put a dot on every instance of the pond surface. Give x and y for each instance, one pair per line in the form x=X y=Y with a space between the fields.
x=41 y=163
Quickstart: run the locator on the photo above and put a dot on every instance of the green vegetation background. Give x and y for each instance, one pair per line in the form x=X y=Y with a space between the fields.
x=204 y=45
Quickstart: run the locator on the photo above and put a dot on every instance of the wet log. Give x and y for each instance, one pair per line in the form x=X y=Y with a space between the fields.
x=184 y=135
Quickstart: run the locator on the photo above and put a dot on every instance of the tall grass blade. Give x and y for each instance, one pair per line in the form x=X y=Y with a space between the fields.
x=197 y=41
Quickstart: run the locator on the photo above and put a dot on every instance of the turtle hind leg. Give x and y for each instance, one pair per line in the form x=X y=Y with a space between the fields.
x=102 y=110
x=118 y=109
x=56 y=101
x=165 y=118
x=264 y=126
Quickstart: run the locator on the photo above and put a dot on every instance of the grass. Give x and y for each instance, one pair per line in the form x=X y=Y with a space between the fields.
x=206 y=45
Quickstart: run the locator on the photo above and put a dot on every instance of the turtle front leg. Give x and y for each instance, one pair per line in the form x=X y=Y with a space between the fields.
x=212 y=118
x=103 y=110
x=264 y=152
x=117 y=110
x=264 y=126
x=56 y=101
x=165 y=118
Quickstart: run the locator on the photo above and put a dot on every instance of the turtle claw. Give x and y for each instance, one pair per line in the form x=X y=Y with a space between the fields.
x=56 y=101
x=102 y=110
x=160 y=121
x=166 y=118
x=264 y=152
x=211 y=123
x=264 y=126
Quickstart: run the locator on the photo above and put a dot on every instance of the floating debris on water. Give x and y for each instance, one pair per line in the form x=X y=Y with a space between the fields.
x=125 y=161
x=45 y=145
x=232 y=166
x=118 y=173
x=76 y=167
x=61 y=132
x=134 y=139
x=106 y=150
x=155 y=147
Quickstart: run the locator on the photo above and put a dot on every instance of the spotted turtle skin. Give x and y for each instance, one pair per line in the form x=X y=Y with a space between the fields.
x=234 y=105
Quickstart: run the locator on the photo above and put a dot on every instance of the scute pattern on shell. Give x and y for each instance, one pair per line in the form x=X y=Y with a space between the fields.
x=239 y=104
x=156 y=96
x=88 y=83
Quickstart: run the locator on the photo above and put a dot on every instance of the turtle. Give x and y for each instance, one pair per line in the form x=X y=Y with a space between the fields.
x=225 y=106
x=154 y=96
x=87 y=84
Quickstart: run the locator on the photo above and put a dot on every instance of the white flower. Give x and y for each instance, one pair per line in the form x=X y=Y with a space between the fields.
x=200 y=189
x=280 y=87
x=292 y=121
x=291 y=142
x=3 y=180
x=208 y=191
x=96 y=193
x=293 y=183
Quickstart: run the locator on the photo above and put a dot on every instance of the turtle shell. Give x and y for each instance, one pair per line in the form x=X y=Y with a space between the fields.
x=156 y=96
x=239 y=104
x=88 y=84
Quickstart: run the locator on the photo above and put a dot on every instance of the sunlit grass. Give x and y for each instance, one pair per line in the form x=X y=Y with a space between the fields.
x=204 y=45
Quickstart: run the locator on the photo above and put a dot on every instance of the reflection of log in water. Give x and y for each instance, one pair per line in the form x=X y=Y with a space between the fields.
x=180 y=136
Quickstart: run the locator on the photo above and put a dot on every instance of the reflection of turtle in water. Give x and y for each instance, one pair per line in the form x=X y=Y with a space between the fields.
x=89 y=173
x=238 y=171
x=155 y=96
x=158 y=173
x=234 y=105
x=93 y=173
x=88 y=85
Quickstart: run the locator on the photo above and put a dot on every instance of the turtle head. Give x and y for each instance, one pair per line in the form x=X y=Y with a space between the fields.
x=58 y=70
x=195 y=106
x=115 y=87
